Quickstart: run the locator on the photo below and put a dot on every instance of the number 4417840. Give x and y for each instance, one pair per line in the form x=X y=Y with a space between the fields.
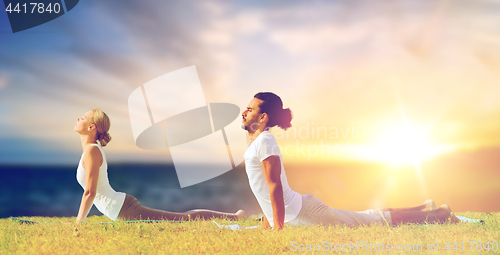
x=35 y=7
x=474 y=245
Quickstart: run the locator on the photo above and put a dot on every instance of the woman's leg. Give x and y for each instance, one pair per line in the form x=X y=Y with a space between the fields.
x=153 y=214
x=209 y=214
x=133 y=210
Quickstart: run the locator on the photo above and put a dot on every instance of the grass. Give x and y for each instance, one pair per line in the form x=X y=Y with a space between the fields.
x=204 y=237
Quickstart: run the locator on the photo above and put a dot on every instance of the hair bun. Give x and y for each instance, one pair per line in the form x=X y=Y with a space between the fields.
x=285 y=118
x=104 y=139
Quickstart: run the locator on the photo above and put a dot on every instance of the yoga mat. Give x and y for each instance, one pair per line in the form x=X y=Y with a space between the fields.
x=231 y=227
x=234 y=227
x=469 y=220
x=22 y=221
x=239 y=227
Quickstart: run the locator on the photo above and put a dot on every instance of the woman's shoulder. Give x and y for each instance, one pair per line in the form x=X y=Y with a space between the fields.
x=92 y=155
x=93 y=150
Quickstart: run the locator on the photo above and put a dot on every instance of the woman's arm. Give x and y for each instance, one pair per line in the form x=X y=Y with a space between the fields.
x=272 y=172
x=92 y=160
x=265 y=222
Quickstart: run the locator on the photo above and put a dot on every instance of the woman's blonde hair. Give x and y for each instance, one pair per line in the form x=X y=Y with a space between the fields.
x=102 y=124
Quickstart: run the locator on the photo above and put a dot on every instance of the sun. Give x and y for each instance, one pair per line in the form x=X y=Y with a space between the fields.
x=403 y=146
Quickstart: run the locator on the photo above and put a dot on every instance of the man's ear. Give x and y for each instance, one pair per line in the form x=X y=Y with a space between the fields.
x=264 y=117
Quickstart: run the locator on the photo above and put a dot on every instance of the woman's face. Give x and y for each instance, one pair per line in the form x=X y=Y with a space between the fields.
x=83 y=123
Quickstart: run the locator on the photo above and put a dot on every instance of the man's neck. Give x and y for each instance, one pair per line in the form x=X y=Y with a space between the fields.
x=255 y=134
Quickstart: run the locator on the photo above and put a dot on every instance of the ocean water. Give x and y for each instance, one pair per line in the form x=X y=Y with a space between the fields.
x=54 y=191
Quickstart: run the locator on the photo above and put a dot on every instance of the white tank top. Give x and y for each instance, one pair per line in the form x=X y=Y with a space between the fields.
x=107 y=200
x=263 y=147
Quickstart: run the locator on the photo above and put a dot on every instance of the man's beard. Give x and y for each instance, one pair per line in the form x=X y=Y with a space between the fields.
x=250 y=127
x=247 y=128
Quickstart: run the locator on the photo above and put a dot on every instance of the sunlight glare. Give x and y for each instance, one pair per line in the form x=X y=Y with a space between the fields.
x=403 y=146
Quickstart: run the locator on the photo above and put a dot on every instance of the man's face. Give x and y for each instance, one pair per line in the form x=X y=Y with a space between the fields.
x=251 y=116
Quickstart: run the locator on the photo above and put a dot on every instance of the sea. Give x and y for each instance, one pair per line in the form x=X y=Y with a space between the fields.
x=53 y=191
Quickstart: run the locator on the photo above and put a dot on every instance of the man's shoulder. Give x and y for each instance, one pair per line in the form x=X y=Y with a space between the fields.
x=267 y=137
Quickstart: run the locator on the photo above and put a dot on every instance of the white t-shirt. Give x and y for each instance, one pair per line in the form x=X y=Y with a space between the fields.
x=263 y=147
x=107 y=200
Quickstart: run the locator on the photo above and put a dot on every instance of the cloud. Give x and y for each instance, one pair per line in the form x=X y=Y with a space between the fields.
x=344 y=56
x=139 y=42
x=318 y=38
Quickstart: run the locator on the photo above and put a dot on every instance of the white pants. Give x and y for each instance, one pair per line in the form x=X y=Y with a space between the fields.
x=314 y=211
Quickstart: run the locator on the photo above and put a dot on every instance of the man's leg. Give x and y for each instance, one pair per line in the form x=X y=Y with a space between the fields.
x=440 y=215
x=428 y=205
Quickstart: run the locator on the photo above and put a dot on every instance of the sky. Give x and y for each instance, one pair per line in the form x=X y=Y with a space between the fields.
x=408 y=71
x=385 y=85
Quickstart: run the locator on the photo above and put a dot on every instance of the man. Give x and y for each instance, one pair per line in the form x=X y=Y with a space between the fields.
x=280 y=204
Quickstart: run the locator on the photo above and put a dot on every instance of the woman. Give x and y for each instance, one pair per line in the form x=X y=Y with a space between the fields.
x=92 y=175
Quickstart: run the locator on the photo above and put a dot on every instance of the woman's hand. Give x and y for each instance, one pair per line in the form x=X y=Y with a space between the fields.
x=265 y=223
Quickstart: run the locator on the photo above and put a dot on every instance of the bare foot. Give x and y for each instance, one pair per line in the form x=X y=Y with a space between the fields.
x=454 y=219
x=429 y=205
x=451 y=216
x=241 y=215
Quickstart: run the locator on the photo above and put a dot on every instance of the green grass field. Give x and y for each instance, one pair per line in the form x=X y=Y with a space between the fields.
x=204 y=237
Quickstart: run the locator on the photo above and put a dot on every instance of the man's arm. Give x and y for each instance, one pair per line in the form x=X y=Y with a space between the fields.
x=272 y=172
